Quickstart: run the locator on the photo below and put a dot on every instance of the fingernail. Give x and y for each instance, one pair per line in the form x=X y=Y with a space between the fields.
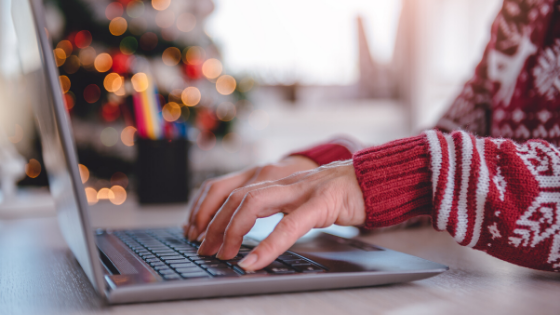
x=201 y=237
x=220 y=252
x=193 y=233
x=201 y=247
x=248 y=261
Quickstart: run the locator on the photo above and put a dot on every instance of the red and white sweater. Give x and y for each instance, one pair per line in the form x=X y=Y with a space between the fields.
x=499 y=194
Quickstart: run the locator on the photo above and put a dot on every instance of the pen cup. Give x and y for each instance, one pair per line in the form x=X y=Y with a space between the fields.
x=162 y=171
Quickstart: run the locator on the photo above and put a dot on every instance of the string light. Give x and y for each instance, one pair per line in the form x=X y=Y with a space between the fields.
x=87 y=56
x=246 y=84
x=59 y=56
x=113 y=10
x=127 y=136
x=109 y=136
x=84 y=173
x=64 y=83
x=171 y=112
x=186 y=22
x=119 y=178
x=118 y=195
x=212 y=68
x=191 y=96
x=105 y=194
x=140 y=82
x=103 y=62
x=66 y=46
x=160 y=5
x=69 y=100
x=118 y=26
x=91 y=195
x=92 y=93
x=82 y=39
x=112 y=82
x=171 y=56
x=135 y=8
x=226 y=111
x=33 y=168
x=72 y=64
x=194 y=55
x=225 y=85
x=128 y=45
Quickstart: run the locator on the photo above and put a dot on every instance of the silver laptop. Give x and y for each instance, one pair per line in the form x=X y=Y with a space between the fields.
x=160 y=264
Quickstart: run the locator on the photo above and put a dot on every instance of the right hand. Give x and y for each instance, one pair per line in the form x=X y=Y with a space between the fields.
x=214 y=192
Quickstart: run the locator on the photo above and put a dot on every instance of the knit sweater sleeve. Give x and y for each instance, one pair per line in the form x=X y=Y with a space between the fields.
x=337 y=149
x=490 y=194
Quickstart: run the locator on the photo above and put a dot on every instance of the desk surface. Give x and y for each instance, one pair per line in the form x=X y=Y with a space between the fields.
x=39 y=275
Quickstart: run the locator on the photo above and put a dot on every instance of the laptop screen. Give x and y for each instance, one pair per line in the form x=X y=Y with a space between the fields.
x=41 y=84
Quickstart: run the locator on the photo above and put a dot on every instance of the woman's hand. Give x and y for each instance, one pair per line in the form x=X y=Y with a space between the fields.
x=309 y=199
x=214 y=192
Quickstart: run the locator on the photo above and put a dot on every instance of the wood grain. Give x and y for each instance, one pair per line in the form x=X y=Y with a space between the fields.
x=38 y=275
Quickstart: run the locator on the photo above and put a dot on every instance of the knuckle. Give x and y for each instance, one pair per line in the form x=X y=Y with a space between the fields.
x=267 y=247
x=268 y=170
x=288 y=226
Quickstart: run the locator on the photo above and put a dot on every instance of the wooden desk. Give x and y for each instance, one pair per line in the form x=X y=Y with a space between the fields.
x=38 y=275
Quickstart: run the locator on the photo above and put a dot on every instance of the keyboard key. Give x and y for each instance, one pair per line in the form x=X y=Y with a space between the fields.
x=182 y=264
x=171 y=277
x=165 y=257
x=205 y=261
x=308 y=268
x=152 y=260
x=222 y=272
x=147 y=256
x=164 y=267
x=244 y=272
x=188 y=270
x=157 y=264
x=193 y=275
x=296 y=262
x=212 y=265
x=275 y=264
x=166 y=271
x=281 y=270
x=288 y=257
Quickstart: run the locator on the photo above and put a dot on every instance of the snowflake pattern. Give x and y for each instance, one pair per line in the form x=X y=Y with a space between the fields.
x=547 y=72
x=493 y=229
x=500 y=183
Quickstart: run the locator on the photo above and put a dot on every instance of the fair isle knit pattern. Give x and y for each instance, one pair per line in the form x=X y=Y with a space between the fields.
x=493 y=195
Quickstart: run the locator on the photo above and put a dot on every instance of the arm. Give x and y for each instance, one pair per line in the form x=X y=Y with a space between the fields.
x=490 y=194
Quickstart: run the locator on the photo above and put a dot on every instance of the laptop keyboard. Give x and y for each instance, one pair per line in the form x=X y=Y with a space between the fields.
x=175 y=258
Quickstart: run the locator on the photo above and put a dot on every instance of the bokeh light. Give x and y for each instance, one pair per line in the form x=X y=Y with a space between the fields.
x=225 y=85
x=18 y=134
x=112 y=82
x=119 y=178
x=105 y=194
x=246 y=84
x=191 y=96
x=87 y=56
x=171 y=111
x=69 y=100
x=82 y=39
x=226 y=111
x=72 y=64
x=33 y=168
x=113 y=10
x=160 y=5
x=259 y=119
x=110 y=111
x=135 y=8
x=148 y=41
x=127 y=136
x=109 y=136
x=92 y=93
x=140 y=82
x=59 y=56
x=232 y=142
x=206 y=141
x=84 y=173
x=66 y=46
x=194 y=55
x=118 y=26
x=128 y=45
x=103 y=62
x=91 y=195
x=138 y=26
x=118 y=196
x=171 y=56
x=212 y=68
x=65 y=83
x=165 y=19
x=186 y=22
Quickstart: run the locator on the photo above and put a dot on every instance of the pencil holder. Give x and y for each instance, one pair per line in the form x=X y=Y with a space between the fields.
x=162 y=171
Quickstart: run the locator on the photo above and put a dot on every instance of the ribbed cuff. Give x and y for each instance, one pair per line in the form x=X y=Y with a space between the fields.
x=395 y=180
x=326 y=153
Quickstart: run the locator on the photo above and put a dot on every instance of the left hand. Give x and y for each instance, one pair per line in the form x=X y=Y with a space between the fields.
x=311 y=199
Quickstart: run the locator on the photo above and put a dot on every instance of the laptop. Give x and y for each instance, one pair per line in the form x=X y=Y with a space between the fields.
x=126 y=266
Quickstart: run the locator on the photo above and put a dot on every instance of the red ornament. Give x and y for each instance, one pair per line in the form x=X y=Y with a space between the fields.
x=194 y=72
x=82 y=39
x=205 y=120
x=121 y=63
x=110 y=112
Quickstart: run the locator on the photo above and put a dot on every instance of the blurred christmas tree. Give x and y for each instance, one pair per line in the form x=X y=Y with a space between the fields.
x=109 y=53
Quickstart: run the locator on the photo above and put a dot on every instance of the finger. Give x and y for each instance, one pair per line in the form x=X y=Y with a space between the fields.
x=285 y=234
x=193 y=205
x=243 y=208
x=214 y=195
